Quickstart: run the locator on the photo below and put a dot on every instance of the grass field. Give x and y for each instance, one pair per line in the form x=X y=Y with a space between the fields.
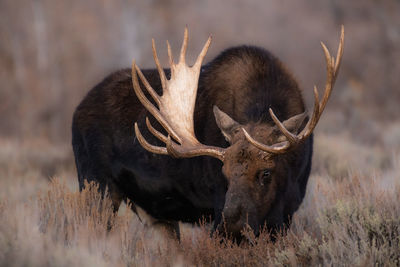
x=350 y=216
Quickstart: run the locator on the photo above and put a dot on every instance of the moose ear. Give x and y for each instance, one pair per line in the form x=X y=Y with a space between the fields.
x=225 y=123
x=296 y=123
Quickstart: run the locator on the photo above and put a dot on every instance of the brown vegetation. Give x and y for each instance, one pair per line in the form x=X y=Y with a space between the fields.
x=350 y=216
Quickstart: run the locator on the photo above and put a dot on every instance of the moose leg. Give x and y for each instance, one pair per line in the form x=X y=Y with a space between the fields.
x=219 y=199
x=171 y=228
x=92 y=160
x=115 y=196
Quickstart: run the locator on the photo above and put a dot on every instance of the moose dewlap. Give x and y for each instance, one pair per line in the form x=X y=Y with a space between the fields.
x=229 y=140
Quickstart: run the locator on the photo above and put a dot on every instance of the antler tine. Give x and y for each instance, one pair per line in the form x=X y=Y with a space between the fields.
x=170 y=56
x=202 y=54
x=147 y=104
x=279 y=148
x=312 y=122
x=330 y=80
x=159 y=68
x=146 y=145
x=137 y=88
x=151 y=91
x=171 y=147
x=156 y=133
x=182 y=56
x=339 y=53
x=332 y=69
x=291 y=137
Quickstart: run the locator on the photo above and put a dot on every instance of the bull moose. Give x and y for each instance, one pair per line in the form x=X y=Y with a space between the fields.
x=229 y=140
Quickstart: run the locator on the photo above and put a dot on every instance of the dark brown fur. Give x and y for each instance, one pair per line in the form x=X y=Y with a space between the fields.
x=243 y=82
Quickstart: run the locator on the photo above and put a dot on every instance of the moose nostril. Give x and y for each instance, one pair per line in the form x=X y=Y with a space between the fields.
x=232 y=215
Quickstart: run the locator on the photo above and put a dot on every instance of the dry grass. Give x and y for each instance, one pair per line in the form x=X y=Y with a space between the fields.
x=350 y=216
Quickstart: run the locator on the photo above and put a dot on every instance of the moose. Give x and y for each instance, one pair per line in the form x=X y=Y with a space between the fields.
x=230 y=140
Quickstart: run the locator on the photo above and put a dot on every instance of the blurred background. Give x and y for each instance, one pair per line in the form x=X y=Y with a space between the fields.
x=53 y=52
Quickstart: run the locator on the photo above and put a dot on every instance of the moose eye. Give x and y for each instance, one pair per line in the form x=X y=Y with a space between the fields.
x=264 y=177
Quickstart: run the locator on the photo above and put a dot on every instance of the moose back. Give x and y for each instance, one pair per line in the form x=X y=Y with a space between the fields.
x=229 y=140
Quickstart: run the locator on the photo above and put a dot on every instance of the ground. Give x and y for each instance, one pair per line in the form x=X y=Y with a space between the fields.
x=350 y=215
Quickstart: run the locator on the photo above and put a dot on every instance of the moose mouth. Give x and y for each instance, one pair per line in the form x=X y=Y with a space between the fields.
x=239 y=229
x=239 y=233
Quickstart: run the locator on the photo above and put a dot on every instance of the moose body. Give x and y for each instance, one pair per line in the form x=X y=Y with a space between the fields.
x=249 y=187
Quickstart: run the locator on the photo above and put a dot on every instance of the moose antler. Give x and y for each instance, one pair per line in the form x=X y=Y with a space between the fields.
x=176 y=106
x=292 y=140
